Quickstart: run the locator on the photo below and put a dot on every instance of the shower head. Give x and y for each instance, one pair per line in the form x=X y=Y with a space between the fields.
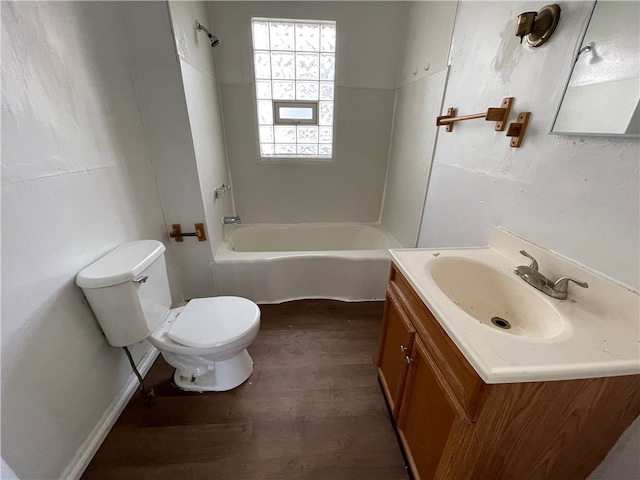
x=212 y=38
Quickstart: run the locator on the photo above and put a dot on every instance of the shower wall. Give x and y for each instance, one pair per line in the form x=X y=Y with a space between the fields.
x=421 y=83
x=350 y=187
x=196 y=61
x=156 y=75
x=185 y=133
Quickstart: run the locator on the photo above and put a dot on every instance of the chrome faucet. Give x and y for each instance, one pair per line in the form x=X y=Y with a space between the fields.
x=234 y=220
x=533 y=277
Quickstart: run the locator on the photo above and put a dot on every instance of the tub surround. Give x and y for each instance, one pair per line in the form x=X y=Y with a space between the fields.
x=600 y=338
x=366 y=70
x=201 y=96
x=421 y=84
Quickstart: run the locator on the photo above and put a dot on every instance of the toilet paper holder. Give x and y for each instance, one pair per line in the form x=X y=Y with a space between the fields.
x=178 y=234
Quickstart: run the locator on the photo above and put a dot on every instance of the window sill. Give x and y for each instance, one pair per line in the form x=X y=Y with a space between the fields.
x=307 y=159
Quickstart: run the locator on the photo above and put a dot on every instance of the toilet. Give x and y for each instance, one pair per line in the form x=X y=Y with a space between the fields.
x=206 y=340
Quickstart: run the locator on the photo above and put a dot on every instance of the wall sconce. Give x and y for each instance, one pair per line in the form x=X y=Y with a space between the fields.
x=538 y=26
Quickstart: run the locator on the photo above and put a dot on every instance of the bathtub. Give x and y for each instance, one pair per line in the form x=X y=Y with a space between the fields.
x=278 y=263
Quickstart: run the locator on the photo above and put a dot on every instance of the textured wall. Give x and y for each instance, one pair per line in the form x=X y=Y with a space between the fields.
x=77 y=180
x=576 y=195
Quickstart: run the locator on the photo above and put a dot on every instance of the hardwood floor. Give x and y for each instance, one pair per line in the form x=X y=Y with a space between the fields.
x=312 y=409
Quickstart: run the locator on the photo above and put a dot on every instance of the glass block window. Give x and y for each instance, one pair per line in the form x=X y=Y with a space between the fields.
x=295 y=69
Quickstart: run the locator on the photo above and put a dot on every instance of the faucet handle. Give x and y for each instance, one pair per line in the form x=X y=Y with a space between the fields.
x=534 y=264
x=561 y=284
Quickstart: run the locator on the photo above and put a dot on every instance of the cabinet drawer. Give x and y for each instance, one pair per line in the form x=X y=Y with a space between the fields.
x=466 y=389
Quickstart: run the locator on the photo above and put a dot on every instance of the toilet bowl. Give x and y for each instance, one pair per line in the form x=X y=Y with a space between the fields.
x=206 y=340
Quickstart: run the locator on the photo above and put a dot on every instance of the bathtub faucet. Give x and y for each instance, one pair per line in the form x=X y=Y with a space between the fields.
x=234 y=220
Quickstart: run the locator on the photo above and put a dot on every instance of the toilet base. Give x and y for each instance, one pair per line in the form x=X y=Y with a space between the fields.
x=219 y=376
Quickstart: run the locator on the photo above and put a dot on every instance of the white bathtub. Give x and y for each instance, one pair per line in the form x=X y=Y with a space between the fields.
x=278 y=263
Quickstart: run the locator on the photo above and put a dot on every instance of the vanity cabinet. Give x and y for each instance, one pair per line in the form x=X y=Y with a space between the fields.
x=395 y=352
x=452 y=425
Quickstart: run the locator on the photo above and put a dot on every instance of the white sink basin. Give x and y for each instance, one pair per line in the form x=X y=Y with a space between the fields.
x=503 y=302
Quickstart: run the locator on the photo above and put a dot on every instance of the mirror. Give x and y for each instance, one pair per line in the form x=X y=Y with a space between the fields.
x=603 y=92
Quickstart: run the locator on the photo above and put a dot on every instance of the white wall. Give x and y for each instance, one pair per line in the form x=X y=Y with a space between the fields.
x=164 y=108
x=421 y=85
x=77 y=180
x=205 y=113
x=578 y=196
x=427 y=38
x=6 y=473
x=350 y=187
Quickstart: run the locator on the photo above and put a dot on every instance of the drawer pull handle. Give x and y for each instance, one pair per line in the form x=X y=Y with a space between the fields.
x=403 y=349
x=408 y=359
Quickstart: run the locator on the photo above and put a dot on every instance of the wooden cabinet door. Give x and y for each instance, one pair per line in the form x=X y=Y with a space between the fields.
x=395 y=347
x=426 y=416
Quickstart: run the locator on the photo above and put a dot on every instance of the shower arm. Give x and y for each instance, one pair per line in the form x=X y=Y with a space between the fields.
x=199 y=26
x=212 y=38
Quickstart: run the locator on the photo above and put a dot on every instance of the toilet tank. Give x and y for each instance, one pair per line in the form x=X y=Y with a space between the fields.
x=128 y=291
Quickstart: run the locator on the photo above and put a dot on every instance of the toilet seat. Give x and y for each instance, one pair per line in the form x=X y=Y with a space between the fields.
x=213 y=322
x=207 y=320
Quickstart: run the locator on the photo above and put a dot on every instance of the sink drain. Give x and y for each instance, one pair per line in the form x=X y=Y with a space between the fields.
x=501 y=323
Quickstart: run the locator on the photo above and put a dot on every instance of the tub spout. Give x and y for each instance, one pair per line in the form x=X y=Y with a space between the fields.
x=234 y=220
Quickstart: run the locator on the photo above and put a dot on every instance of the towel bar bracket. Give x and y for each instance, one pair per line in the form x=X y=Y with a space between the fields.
x=499 y=115
x=516 y=129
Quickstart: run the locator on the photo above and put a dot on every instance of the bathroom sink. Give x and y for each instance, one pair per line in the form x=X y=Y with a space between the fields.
x=592 y=333
x=501 y=301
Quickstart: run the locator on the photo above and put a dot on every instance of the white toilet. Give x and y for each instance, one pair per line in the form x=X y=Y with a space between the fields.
x=206 y=340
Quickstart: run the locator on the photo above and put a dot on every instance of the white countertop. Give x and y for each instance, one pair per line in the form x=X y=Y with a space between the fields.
x=602 y=333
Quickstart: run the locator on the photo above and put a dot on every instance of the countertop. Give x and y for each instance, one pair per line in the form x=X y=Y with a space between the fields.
x=601 y=335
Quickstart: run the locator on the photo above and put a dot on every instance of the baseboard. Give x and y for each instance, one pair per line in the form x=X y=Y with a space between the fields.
x=85 y=453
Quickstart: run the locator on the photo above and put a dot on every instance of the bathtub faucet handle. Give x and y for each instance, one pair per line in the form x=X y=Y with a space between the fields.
x=219 y=192
x=233 y=220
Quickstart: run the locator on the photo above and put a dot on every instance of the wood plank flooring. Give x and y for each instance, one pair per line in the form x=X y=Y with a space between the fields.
x=312 y=409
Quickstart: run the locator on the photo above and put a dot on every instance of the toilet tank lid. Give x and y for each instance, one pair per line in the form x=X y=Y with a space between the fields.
x=121 y=264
